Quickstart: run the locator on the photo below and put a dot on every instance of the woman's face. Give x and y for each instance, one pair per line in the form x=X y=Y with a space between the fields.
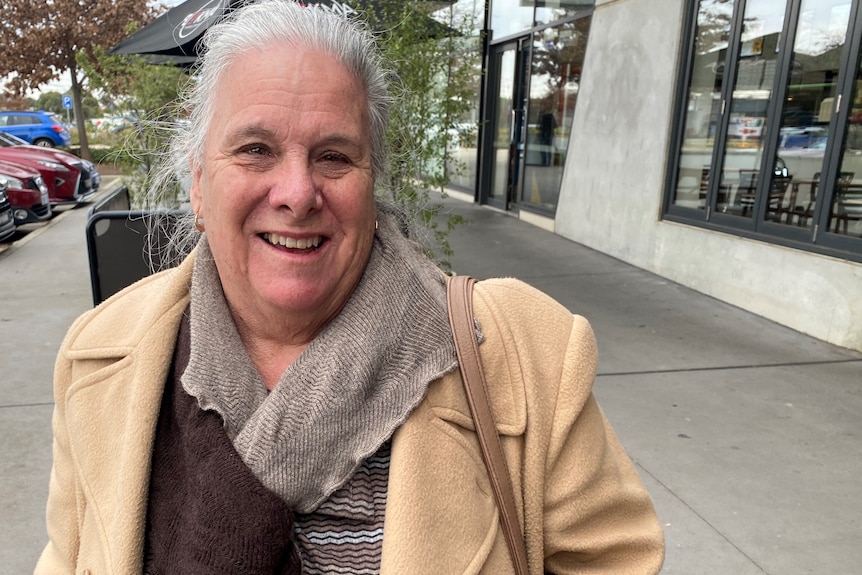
x=285 y=188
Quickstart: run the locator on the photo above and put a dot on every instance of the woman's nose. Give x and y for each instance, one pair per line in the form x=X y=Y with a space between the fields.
x=294 y=188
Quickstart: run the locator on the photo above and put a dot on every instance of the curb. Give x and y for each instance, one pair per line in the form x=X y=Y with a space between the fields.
x=113 y=183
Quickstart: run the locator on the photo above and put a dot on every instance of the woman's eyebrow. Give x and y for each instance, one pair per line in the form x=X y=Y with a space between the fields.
x=340 y=140
x=257 y=131
x=252 y=131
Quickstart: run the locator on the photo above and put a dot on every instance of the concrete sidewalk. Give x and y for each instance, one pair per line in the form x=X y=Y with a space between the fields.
x=746 y=434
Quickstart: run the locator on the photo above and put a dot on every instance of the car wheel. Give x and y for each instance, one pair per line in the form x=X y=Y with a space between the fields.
x=44 y=142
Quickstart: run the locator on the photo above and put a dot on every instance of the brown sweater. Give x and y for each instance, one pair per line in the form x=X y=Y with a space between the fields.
x=207 y=511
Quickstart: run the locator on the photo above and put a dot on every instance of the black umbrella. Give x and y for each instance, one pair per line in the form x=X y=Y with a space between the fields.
x=176 y=32
x=173 y=37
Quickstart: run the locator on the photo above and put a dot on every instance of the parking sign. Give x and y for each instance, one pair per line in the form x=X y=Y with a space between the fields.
x=67 y=102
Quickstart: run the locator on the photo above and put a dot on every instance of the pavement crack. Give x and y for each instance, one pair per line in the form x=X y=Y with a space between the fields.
x=15 y=405
x=730 y=367
x=706 y=521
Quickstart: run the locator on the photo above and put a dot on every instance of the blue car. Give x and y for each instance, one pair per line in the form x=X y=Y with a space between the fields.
x=39 y=128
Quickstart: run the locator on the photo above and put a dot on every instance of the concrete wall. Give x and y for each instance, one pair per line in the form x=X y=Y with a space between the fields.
x=613 y=183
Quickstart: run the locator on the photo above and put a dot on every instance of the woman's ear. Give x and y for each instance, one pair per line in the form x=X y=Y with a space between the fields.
x=195 y=194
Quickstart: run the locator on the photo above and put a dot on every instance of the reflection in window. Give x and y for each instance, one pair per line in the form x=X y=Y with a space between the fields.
x=809 y=102
x=755 y=75
x=548 y=11
x=557 y=61
x=845 y=215
x=789 y=93
x=462 y=153
x=704 y=103
x=509 y=17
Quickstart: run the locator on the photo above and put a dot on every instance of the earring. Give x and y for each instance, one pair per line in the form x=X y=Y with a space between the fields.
x=199 y=224
x=375 y=225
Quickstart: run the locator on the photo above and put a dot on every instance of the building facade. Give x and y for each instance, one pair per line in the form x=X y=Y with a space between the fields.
x=716 y=143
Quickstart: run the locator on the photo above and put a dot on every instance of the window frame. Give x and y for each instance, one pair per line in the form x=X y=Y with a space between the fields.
x=817 y=239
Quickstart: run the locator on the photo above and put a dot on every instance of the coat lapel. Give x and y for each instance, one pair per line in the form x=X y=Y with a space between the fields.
x=120 y=365
x=439 y=489
x=112 y=447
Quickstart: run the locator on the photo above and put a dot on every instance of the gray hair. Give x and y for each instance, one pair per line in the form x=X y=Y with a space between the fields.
x=264 y=23
x=267 y=22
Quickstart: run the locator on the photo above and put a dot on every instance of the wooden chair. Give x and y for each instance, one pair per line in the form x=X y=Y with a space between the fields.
x=743 y=201
x=847 y=204
x=782 y=198
x=807 y=212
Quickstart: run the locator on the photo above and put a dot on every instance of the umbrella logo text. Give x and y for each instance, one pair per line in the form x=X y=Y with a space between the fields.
x=200 y=18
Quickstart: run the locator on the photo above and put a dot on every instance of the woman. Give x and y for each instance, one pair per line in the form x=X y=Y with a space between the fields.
x=287 y=399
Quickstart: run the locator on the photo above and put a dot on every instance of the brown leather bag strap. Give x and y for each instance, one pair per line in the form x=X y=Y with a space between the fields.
x=460 y=299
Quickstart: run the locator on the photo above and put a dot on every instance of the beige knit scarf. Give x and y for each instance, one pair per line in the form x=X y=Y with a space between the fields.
x=349 y=389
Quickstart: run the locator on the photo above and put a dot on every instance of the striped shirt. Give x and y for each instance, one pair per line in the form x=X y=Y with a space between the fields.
x=344 y=536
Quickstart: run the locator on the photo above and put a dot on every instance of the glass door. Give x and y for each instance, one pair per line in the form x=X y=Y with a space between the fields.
x=747 y=107
x=810 y=101
x=508 y=126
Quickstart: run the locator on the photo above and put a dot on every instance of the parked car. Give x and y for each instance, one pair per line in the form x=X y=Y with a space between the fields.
x=38 y=128
x=61 y=180
x=7 y=221
x=27 y=193
x=84 y=187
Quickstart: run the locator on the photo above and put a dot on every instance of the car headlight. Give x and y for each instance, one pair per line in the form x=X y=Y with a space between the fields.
x=13 y=182
x=53 y=165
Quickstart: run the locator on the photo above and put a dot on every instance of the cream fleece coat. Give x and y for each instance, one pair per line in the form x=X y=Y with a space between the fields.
x=583 y=507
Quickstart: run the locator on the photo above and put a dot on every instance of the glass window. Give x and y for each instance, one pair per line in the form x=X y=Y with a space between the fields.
x=770 y=148
x=462 y=154
x=809 y=102
x=703 y=106
x=548 y=11
x=845 y=213
x=555 y=75
x=752 y=90
x=509 y=17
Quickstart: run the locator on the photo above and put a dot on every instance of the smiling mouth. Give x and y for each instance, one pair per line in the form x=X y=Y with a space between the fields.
x=311 y=243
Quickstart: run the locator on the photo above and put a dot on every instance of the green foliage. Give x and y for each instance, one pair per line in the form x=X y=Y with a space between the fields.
x=50 y=102
x=147 y=93
x=53 y=102
x=137 y=86
x=437 y=67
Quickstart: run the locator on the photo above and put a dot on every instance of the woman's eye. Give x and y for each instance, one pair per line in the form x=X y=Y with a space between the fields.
x=334 y=157
x=255 y=150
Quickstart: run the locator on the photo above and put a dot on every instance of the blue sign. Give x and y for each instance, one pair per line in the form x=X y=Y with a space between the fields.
x=67 y=102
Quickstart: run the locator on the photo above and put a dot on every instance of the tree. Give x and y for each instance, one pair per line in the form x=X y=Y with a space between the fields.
x=436 y=66
x=136 y=85
x=39 y=41
x=144 y=91
x=50 y=102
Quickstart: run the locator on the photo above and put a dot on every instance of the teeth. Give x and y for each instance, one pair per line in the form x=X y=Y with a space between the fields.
x=299 y=244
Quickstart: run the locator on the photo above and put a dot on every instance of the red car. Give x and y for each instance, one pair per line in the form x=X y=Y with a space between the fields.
x=27 y=193
x=76 y=180
x=61 y=180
